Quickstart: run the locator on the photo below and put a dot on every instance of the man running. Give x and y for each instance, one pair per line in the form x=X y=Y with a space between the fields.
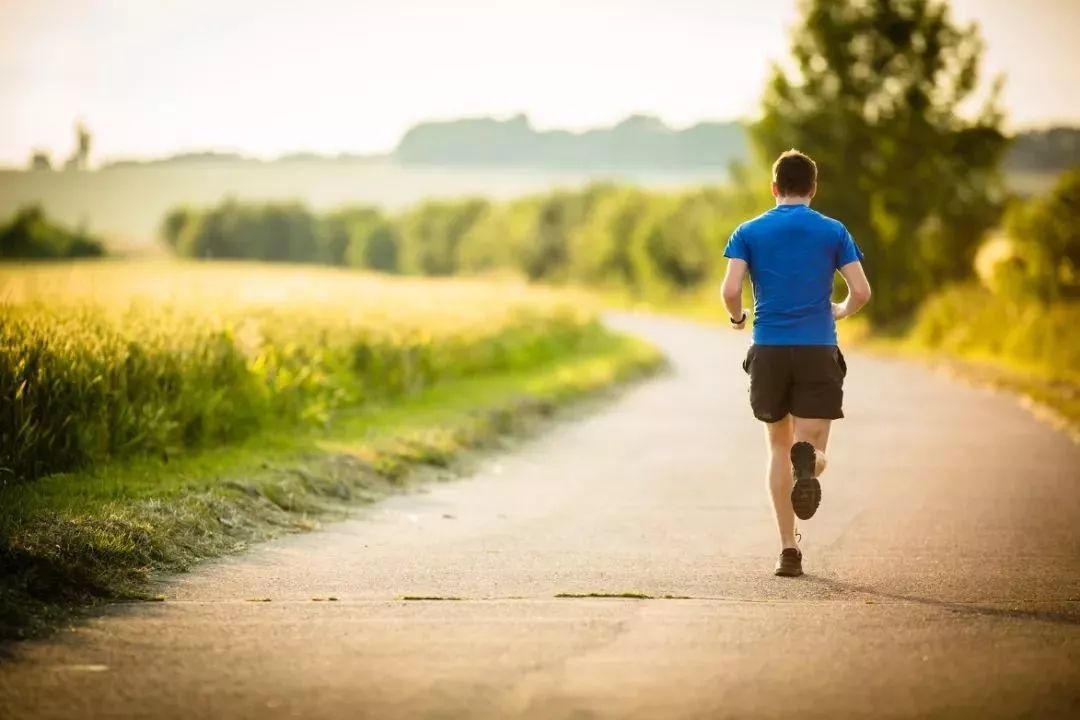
x=796 y=369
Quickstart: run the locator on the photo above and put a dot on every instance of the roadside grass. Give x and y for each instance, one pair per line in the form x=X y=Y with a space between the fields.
x=71 y=541
x=1016 y=344
x=105 y=361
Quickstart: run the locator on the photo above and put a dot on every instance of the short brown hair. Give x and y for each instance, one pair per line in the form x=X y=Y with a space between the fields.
x=795 y=174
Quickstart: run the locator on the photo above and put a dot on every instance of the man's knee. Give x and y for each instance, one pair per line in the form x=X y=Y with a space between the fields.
x=812 y=430
x=781 y=434
x=780 y=443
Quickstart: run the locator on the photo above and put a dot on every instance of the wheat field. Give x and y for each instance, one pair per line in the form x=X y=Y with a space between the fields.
x=111 y=359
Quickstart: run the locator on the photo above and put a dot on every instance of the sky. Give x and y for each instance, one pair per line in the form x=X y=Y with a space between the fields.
x=266 y=77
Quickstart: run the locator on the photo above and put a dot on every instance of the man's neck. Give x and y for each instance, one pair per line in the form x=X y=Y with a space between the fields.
x=793 y=200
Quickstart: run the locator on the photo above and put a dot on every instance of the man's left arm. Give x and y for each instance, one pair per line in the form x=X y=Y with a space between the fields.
x=732 y=292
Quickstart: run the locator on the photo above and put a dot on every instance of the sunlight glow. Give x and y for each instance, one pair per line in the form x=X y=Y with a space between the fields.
x=269 y=77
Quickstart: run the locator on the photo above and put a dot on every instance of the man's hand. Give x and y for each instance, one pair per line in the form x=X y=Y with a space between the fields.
x=838 y=311
x=739 y=325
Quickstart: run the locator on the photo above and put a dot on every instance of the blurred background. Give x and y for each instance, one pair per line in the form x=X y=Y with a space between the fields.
x=533 y=127
x=611 y=146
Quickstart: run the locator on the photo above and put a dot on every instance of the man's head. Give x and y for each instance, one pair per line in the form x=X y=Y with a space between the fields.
x=794 y=176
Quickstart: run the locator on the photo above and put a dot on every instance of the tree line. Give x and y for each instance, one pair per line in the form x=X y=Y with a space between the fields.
x=875 y=96
x=610 y=235
x=30 y=235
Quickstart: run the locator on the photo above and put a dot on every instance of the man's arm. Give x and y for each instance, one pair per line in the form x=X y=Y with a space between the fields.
x=732 y=291
x=858 y=291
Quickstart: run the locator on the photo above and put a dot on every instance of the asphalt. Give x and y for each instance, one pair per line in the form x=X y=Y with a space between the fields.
x=943 y=577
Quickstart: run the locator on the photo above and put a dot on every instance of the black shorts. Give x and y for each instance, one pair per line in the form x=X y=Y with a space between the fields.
x=806 y=381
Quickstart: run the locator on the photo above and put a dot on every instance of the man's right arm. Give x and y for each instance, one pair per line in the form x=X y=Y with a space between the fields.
x=858 y=290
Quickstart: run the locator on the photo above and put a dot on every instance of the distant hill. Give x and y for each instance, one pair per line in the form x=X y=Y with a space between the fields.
x=638 y=142
x=229 y=158
x=192 y=158
x=1051 y=150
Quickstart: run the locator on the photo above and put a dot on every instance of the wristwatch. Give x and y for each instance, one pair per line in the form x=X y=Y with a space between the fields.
x=740 y=320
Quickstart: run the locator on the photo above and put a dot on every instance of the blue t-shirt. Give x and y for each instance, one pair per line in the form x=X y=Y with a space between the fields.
x=793 y=253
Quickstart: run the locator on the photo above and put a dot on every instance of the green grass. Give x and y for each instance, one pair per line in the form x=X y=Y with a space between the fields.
x=1020 y=345
x=88 y=375
x=71 y=541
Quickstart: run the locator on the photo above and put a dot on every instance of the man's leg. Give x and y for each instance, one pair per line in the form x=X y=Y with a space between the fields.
x=816 y=432
x=808 y=462
x=780 y=437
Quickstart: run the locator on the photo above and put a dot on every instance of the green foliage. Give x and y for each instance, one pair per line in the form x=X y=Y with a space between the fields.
x=1045 y=234
x=498 y=238
x=280 y=232
x=647 y=243
x=875 y=102
x=600 y=252
x=432 y=232
x=970 y=321
x=175 y=222
x=30 y=235
x=687 y=240
x=360 y=237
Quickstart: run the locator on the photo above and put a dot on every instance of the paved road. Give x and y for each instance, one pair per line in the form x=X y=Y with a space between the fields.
x=943 y=578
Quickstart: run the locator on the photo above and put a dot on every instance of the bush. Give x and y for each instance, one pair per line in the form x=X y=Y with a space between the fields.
x=360 y=237
x=969 y=320
x=283 y=232
x=1046 y=236
x=30 y=235
x=432 y=232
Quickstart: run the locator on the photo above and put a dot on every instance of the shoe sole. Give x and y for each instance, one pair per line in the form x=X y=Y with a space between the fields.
x=781 y=572
x=806 y=495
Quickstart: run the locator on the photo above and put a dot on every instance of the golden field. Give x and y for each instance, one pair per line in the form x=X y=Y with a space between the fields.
x=109 y=359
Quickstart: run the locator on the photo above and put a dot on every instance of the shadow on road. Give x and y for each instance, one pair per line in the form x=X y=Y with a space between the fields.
x=1068 y=617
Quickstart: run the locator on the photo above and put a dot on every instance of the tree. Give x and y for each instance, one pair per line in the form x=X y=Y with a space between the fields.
x=80 y=159
x=1046 y=234
x=498 y=238
x=371 y=239
x=174 y=223
x=601 y=248
x=876 y=102
x=431 y=233
x=30 y=234
x=40 y=160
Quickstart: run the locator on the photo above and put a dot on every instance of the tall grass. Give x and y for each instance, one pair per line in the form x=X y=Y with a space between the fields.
x=1028 y=334
x=120 y=359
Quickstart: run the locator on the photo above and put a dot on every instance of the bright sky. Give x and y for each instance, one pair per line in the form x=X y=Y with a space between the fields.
x=152 y=77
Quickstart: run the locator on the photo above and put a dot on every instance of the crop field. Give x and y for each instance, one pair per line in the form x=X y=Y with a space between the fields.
x=113 y=359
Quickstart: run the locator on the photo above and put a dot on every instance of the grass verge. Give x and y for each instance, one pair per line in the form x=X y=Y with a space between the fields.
x=1016 y=344
x=71 y=541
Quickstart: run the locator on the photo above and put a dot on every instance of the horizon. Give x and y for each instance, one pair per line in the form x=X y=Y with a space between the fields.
x=286 y=154
x=388 y=152
x=286 y=81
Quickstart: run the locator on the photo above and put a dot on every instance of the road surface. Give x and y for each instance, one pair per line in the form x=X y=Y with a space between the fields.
x=943 y=577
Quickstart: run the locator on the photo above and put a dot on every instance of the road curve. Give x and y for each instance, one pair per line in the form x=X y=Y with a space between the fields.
x=943 y=577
